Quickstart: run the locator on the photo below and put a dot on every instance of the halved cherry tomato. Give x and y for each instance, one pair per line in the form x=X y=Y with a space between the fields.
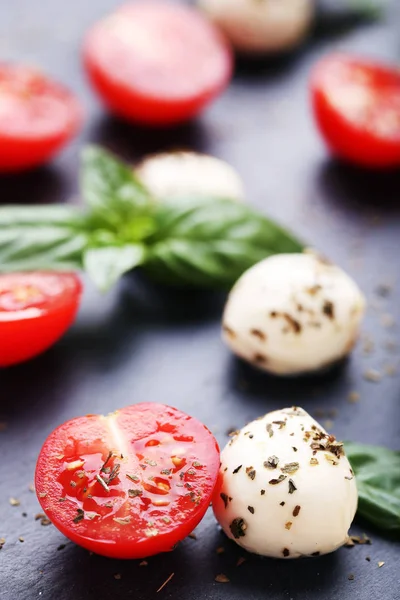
x=130 y=484
x=37 y=117
x=35 y=310
x=156 y=63
x=357 y=107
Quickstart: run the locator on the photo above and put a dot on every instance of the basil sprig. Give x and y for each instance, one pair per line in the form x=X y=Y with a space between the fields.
x=377 y=472
x=206 y=242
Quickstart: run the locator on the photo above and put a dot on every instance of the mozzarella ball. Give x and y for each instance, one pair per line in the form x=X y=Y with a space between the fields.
x=293 y=313
x=261 y=27
x=286 y=488
x=183 y=174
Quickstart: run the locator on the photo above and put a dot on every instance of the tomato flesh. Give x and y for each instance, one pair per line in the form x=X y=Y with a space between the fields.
x=156 y=63
x=357 y=107
x=37 y=117
x=130 y=484
x=35 y=310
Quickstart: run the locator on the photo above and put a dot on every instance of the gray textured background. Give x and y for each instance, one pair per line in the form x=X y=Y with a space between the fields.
x=142 y=343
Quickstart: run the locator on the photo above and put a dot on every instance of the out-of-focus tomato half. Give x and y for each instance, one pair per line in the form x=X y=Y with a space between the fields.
x=130 y=484
x=357 y=107
x=37 y=117
x=156 y=63
x=35 y=310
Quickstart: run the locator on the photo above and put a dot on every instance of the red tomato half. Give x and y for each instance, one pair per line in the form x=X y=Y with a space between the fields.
x=357 y=107
x=156 y=63
x=35 y=310
x=37 y=117
x=130 y=484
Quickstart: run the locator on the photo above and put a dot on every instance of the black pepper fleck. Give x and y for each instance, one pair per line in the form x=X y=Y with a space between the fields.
x=328 y=309
x=276 y=481
x=250 y=472
x=238 y=528
x=272 y=462
x=224 y=498
x=296 y=510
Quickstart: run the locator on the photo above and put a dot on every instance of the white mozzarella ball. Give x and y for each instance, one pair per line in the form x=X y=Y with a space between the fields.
x=292 y=314
x=286 y=487
x=261 y=26
x=184 y=174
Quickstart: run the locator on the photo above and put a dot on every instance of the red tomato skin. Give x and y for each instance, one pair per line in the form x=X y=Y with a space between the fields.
x=26 y=149
x=346 y=139
x=126 y=101
x=31 y=335
x=82 y=430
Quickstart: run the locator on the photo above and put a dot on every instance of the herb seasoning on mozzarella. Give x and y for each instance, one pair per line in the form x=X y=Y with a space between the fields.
x=309 y=312
x=306 y=508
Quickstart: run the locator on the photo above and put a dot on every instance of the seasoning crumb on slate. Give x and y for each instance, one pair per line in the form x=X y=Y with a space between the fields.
x=61 y=547
x=350 y=576
x=2 y=542
x=383 y=289
x=117 y=576
x=381 y=563
x=240 y=561
x=220 y=550
x=21 y=539
x=387 y=320
x=14 y=502
x=221 y=578
x=372 y=375
x=357 y=539
x=43 y=519
x=368 y=558
x=165 y=582
x=353 y=397
x=390 y=370
x=143 y=563
x=391 y=346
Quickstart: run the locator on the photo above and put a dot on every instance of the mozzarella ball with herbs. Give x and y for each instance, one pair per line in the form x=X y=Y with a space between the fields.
x=188 y=174
x=255 y=27
x=293 y=313
x=286 y=488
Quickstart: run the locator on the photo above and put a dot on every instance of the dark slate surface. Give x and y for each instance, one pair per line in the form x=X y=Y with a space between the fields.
x=141 y=343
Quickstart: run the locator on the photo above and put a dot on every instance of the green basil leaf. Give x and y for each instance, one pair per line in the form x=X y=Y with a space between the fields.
x=211 y=242
x=110 y=188
x=41 y=237
x=377 y=472
x=58 y=214
x=105 y=265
